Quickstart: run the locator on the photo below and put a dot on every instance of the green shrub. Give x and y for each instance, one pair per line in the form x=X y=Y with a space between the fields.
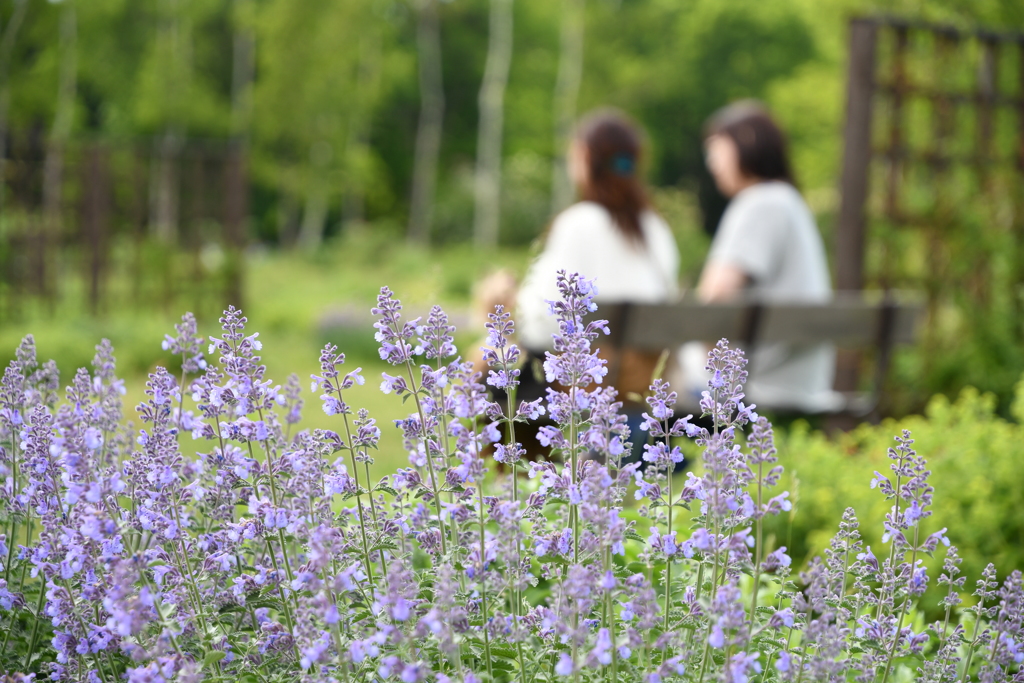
x=977 y=461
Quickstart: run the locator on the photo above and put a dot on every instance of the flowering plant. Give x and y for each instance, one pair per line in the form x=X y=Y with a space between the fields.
x=268 y=553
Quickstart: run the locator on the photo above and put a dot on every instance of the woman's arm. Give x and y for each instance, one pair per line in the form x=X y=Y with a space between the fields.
x=721 y=281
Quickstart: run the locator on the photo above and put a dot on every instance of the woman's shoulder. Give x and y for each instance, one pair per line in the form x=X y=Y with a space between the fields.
x=585 y=211
x=589 y=218
x=773 y=193
x=652 y=220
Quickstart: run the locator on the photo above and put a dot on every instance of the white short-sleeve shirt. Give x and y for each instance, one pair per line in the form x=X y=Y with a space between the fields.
x=585 y=239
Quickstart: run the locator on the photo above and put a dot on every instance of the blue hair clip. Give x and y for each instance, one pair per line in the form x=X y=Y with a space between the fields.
x=623 y=165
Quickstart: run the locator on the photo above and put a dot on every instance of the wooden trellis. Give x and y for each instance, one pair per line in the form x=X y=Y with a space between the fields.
x=933 y=166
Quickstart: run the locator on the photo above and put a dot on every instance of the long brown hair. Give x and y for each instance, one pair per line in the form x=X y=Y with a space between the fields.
x=615 y=149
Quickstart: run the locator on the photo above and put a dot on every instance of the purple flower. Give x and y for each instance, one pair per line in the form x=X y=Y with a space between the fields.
x=186 y=344
x=741 y=666
x=601 y=654
x=393 y=335
x=776 y=559
x=565 y=666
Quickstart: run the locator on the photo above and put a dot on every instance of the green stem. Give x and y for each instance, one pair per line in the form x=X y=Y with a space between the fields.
x=362 y=520
x=573 y=510
x=668 y=560
x=758 y=550
x=700 y=584
x=284 y=601
x=181 y=396
x=903 y=608
x=974 y=639
x=483 y=584
x=81 y=624
x=414 y=390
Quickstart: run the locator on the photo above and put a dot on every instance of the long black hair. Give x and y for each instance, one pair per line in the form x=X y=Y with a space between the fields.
x=762 y=146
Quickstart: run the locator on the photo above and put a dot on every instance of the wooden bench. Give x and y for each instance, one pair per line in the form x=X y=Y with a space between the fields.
x=850 y=320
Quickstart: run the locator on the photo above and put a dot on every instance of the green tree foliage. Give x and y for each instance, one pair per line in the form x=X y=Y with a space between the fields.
x=145 y=65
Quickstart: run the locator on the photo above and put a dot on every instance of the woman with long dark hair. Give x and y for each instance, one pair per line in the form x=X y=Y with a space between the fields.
x=767 y=246
x=612 y=235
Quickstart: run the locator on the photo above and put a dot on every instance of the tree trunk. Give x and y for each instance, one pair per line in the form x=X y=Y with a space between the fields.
x=314 y=216
x=487 y=187
x=164 y=188
x=357 y=148
x=165 y=185
x=53 y=165
x=236 y=195
x=242 y=72
x=567 y=88
x=7 y=39
x=428 y=133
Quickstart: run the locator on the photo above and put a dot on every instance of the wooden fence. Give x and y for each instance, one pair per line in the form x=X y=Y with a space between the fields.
x=139 y=224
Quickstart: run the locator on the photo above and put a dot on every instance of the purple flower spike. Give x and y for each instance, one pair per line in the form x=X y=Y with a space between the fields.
x=437 y=335
x=187 y=344
x=394 y=336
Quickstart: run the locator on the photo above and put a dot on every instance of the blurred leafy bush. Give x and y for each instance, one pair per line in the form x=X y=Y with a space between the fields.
x=977 y=462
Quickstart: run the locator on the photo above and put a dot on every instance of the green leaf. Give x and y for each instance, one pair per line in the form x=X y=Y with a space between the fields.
x=213 y=656
x=384 y=544
x=386 y=489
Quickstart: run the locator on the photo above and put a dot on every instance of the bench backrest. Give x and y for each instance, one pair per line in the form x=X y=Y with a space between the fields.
x=849 y=320
x=846 y=321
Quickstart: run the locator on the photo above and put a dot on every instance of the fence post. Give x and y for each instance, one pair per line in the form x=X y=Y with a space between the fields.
x=854 y=181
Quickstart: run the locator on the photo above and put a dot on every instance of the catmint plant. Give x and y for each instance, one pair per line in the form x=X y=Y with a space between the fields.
x=215 y=539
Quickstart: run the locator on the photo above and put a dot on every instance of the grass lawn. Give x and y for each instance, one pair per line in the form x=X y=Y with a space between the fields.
x=297 y=302
x=287 y=298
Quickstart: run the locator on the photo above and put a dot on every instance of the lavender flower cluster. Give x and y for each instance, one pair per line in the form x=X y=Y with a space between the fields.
x=220 y=541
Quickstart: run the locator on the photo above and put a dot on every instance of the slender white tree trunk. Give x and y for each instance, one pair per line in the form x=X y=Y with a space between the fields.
x=428 y=133
x=314 y=216
x=236 y=205
x=487 y=187
x=53 y=166
x=567 y=88
x=7 y=39
x=165 y=187
x=243 y=61
x=357 y=144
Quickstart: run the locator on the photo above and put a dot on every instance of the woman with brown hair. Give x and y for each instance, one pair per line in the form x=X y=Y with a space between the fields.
x=612 y=235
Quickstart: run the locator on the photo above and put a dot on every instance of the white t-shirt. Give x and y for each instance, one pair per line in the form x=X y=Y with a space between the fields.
x=585 y=239
x=769 y=233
